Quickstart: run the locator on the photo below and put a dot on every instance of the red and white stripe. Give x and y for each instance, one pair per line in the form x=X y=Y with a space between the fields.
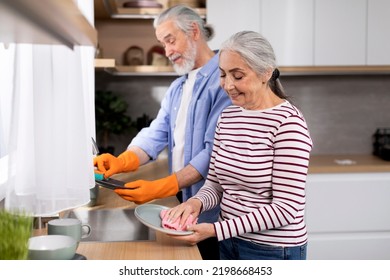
x=257 y=173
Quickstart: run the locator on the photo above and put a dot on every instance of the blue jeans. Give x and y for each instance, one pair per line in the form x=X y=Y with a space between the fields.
x=238 y=249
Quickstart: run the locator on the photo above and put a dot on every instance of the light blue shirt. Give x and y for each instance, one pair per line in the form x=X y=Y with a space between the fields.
x=207 y=102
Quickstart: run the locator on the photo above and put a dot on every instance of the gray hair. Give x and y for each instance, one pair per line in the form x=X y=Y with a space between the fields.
x=184 y=17
x=258 y=53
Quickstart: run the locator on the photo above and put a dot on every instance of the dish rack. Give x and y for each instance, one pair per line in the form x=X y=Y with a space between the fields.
x=381 y=143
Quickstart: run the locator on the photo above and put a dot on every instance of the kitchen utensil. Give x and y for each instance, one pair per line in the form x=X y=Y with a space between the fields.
x=95 y=149
x=149 y=215
x=156 y=56
x=134 y=55
x=94 y=192
x=51 y=247
x=110 y=183
x=381 y=143
x=70 y=227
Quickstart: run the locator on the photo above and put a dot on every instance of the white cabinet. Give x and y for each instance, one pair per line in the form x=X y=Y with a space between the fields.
x=348 y=216
x=230 y=16
x=289 y=26
x=340 y=32
x=310 y=32
x=378 y=40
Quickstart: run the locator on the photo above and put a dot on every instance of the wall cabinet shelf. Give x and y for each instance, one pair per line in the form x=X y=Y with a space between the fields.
x=120 y=28
x=114 y=9
x=143 y=13
x=102 y=63
x=108 y=65
x=141 y=70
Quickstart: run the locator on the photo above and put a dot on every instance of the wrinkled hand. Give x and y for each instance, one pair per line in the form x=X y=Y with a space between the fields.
x=142 y=191
x=201 y=232
x=191 y=207
x=175 y=224
x=110 y=165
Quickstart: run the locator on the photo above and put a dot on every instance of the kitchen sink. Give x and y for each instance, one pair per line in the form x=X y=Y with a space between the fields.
x=109 y=225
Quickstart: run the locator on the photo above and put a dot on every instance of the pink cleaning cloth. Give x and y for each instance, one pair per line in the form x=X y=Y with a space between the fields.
x=175 y=225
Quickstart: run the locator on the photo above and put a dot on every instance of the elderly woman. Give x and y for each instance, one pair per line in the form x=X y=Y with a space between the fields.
x=259 y=162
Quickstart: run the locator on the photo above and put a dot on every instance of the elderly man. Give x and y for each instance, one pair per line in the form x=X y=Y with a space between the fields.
x=185 y=123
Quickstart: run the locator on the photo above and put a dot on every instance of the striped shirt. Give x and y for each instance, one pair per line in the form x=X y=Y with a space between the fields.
x=257 y=173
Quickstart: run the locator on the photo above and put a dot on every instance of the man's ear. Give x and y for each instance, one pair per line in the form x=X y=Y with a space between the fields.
x=195 y=31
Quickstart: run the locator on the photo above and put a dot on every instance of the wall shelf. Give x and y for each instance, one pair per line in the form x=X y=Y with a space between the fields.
x=112 y=9
x=145 y=13
x=141 y=70
x=45 y=22
x=104 y=63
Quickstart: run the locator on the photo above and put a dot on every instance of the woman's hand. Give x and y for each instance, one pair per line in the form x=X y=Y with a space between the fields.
x=201 y=232
x=192 y=207
x=183 y=211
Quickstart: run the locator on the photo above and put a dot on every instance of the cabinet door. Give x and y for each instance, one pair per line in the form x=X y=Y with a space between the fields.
x=378 y=41
x=289 y=26
x=230 y=16
x=347 y=215
x=340 y=32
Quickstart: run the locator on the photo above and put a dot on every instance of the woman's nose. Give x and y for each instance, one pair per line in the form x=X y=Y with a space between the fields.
x=228 y=84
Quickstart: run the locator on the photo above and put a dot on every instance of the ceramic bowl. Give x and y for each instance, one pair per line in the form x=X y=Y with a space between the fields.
x=51 y=247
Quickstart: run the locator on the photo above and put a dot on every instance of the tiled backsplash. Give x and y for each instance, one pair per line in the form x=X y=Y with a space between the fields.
x=342 y=111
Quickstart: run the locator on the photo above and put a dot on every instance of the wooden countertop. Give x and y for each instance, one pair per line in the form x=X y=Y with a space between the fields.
x=347 y=164
x=318 y=164
x=163 y=248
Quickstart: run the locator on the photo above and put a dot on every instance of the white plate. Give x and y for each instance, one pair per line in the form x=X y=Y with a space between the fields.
x=149 y=215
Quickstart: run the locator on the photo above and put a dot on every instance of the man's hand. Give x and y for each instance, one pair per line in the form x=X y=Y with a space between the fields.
x=142 y=191
x=110 y=165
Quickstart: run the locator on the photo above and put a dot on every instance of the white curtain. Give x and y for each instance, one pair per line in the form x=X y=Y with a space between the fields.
x=46 y=125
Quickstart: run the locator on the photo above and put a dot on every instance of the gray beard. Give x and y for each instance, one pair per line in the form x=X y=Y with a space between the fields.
x=189 y=61
x=185 y=68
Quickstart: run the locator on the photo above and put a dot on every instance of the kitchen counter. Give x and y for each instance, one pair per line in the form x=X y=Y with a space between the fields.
x=318 y=164
x=165 y=247
x=343 y=194
x=162 y=248
x=347 y=164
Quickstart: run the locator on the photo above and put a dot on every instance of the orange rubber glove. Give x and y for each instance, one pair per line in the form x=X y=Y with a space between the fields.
x=142 y=191
x=110 y=165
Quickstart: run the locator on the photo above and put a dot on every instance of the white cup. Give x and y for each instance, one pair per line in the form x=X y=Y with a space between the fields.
x=70 y=227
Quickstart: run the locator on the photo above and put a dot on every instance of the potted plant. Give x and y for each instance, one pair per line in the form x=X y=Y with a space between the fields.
x=15 y=231
x=111 y=118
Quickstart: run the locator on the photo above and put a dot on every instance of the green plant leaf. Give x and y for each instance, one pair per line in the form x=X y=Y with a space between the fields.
x=111 y=115
x=15 y=231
